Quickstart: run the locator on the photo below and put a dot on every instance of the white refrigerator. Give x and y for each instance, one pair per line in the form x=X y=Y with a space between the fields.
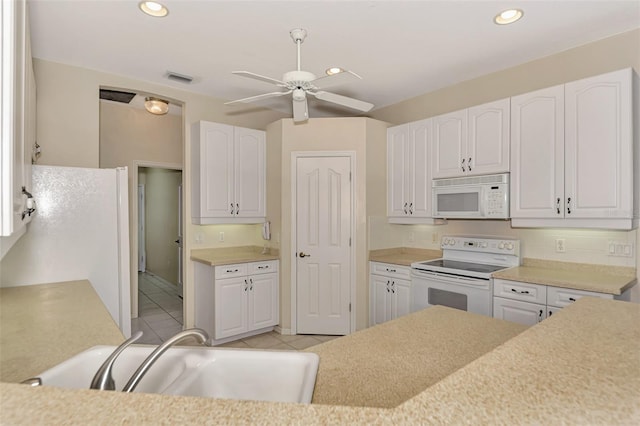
x=80 y=231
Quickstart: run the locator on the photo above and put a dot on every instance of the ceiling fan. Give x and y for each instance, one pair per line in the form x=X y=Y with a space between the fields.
x=302 y=83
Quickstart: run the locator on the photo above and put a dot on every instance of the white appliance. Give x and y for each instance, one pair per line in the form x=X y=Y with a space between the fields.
x=461 y=279
x=477 y=197
x=80 y=231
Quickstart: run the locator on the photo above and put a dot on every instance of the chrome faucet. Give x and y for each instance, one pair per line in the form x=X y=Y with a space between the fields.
x=201 y=335
x=103 y=380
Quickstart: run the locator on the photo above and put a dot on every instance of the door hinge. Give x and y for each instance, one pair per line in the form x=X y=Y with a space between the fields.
x=349 y=241
x=349 y=176
x=349 y=307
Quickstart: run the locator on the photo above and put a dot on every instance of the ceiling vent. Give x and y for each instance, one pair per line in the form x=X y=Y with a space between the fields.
x=180 y=78
x=116 y=96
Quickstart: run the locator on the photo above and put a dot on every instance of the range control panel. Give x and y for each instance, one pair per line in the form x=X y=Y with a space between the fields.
x=481 y=244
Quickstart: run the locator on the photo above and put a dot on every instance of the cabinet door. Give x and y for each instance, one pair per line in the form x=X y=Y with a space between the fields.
x=397 y=173
x=488 y=138
x=263 y=301
x=401 y=293
x=521 y=312
x=380 y=300
x=250 y=176
x=598 y=151
x=419 y=161
x=214 y=194
x=449 y=144
x=537 y=154
x=231 y=310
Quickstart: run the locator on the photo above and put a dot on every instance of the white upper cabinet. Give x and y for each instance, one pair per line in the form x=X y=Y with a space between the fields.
x=537 y=154
x=573 y=154
x=473 y=141
x=17 y=116
x=409 y=173
x=229 y=174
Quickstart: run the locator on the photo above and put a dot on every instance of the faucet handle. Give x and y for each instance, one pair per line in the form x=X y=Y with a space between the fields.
x=103 y=380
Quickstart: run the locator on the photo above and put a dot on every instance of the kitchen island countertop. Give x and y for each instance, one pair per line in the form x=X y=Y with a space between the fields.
x=579 y=367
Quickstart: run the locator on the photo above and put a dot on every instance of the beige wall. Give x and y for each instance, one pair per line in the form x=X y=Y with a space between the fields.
x=609 y=54
x=161 y=220
x=322 y=134
x=68 y=131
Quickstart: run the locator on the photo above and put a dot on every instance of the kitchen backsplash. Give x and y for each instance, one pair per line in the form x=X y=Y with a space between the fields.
x=580 y=245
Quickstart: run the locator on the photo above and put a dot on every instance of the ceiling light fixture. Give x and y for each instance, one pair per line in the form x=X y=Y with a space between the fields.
x=156 y=106
x=334 y=70
x=508 y=16
x=153 y=8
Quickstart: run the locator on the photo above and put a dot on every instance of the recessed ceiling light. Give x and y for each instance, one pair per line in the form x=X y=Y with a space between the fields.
x=508 y=16
x=334 y=70
x=153 y=8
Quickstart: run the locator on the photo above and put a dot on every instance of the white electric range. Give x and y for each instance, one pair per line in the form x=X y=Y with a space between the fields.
x=461 y=279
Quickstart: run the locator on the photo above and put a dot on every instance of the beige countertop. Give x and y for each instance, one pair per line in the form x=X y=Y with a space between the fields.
x=404 y=256
x=231 y=255
x=578 y=367
x=42 y=325
x=386 y=365
x=581 y=276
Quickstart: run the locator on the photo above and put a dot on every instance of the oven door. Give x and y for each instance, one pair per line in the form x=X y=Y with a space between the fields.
x=459 y=292
x=465 y=201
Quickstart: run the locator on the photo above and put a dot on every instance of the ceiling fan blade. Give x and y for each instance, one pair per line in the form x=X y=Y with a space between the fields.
x=300 y=112
x=335 y=79
x=343 y=100
x=259 y=77
x=259 y=97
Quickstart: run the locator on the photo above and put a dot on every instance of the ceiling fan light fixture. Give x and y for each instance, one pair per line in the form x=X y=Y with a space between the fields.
x=153 y=8
x=156 y=106
x=508 y=16
x=334 y=70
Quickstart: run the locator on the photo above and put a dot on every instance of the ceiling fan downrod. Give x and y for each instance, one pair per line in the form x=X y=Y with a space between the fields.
x=298 y=35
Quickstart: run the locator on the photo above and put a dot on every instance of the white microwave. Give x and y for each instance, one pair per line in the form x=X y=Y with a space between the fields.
x=477 y=197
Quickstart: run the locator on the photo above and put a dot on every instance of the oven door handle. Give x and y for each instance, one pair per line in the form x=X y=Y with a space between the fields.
x=446 y=277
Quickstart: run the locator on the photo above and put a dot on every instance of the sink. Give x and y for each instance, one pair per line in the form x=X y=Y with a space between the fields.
x=283 y=376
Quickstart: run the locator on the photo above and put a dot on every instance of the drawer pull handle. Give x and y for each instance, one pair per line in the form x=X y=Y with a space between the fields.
x=391 y=270
x=572 y=299
x=520 y=292
x=232 y=270
x=263 y=267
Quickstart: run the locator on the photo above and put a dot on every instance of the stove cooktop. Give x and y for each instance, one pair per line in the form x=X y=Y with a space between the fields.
x=456 y=264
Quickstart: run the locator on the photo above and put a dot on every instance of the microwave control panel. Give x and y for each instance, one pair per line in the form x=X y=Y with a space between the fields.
x=497 y=201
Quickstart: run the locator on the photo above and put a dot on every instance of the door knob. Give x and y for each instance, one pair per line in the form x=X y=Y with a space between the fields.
x=304 y=255
x=177 y=241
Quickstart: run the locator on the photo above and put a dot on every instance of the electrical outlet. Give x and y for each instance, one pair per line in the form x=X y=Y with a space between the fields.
x=620 y=249
x=199 y=238
x=221 y=236
x=560 y=245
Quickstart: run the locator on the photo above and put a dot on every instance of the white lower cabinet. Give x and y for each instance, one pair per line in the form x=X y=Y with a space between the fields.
x=236 y=301
x=528 y=303
x=390 y=292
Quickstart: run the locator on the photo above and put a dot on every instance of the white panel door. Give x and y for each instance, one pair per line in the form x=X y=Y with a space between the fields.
x=323 y=233
x=216 y=172
x=488 y=138
x=598 y=163
x=263 y=301
x=450 y=144
x=231 y=306
x=249 y=158
x=397 y=173
x=537 y=154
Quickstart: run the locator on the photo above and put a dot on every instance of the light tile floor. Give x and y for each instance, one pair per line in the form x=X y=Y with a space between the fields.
x=160 y=317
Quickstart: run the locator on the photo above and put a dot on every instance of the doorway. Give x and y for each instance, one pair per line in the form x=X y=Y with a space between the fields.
x=323 y=270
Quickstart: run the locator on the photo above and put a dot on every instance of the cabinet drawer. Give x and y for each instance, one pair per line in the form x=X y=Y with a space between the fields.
x=527 y=292
x=262 y=267
x=561 y=297
x=231 y=271
x=390 y=270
